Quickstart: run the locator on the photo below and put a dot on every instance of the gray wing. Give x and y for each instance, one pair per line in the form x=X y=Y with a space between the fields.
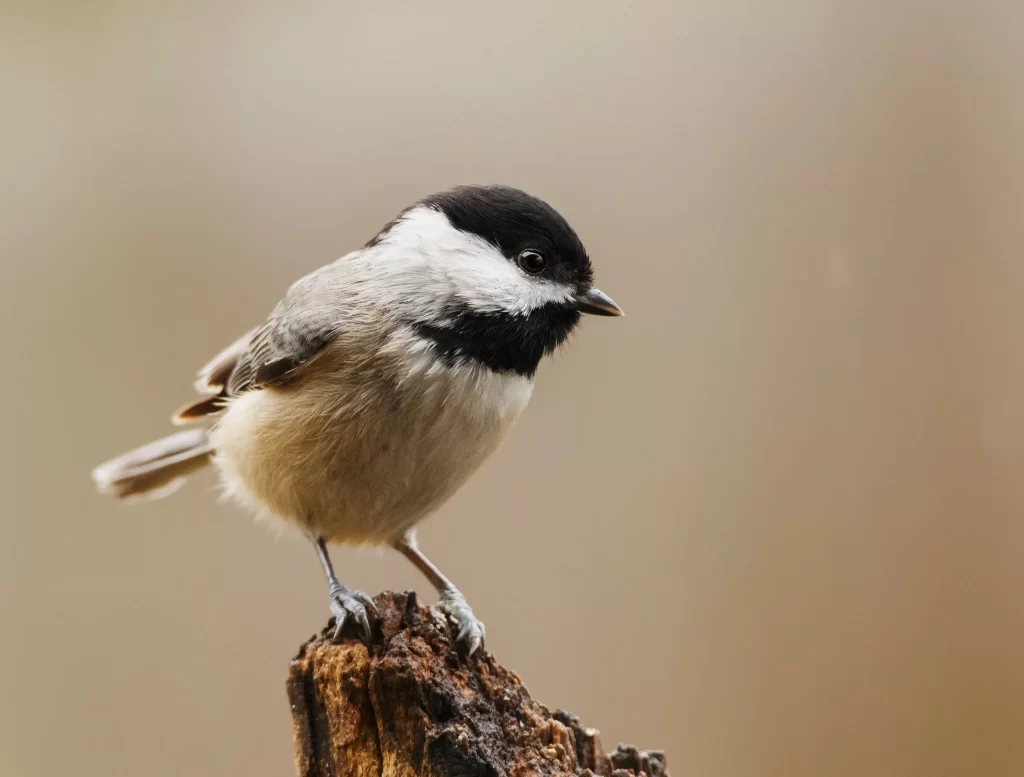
x=295 y=333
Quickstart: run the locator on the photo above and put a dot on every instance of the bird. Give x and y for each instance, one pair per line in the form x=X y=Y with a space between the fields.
x=381 y=381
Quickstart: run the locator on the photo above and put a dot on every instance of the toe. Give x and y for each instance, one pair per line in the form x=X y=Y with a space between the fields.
x=366 y=600
x=351 y=607
x=469 y=632
x=364 y=621
x=471 y=635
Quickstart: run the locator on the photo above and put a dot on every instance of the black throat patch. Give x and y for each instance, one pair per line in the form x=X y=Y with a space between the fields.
x=504 y=342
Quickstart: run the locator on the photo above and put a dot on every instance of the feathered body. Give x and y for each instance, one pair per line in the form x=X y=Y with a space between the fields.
x=383 y=380
x=365 y=466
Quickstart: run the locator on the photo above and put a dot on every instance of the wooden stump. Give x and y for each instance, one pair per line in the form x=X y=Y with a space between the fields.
x=407 y=705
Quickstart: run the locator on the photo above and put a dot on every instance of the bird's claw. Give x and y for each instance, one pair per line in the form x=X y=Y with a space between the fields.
x=349 y=605
x=471 y=632
x=366 y=600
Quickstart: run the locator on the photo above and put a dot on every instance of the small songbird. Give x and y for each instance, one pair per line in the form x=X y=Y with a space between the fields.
x=383 y=380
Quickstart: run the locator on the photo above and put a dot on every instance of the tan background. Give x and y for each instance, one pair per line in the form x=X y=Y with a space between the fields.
x=770 y=521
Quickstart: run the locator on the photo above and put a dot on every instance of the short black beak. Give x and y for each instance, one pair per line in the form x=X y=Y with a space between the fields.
x=598 y=303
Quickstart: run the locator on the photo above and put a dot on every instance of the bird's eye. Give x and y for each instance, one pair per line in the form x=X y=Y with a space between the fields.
x=532 y=262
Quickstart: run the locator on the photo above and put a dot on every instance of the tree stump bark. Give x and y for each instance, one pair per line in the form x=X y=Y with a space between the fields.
x=408 y=705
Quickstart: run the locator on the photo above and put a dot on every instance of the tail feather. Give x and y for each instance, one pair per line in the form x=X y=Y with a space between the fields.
x=156 y=469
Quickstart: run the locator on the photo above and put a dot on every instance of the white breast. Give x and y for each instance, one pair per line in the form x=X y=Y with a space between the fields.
x=354 y=458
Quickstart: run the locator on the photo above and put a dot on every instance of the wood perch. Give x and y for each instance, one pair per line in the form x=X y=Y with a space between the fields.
x=407 y=705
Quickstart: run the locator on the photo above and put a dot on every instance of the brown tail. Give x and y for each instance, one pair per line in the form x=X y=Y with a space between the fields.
x=155 y=470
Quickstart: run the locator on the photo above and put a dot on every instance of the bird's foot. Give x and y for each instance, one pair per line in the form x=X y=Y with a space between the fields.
x=351 y=606
x=470 y=632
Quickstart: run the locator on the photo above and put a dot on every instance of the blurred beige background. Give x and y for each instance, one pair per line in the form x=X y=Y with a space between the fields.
x=770 y=521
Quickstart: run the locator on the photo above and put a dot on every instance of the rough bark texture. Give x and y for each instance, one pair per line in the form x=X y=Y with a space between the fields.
x=408 y=705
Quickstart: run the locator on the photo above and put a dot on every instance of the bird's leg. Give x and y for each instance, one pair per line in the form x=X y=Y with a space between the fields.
x=345 y=603
x=471 y=632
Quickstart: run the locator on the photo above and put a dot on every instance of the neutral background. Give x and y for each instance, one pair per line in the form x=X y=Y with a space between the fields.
x=769 y=521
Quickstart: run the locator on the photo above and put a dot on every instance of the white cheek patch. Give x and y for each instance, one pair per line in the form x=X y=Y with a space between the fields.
x=442 y=263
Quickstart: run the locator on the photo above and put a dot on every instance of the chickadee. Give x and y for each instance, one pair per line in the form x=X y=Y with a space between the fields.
x=383 y=380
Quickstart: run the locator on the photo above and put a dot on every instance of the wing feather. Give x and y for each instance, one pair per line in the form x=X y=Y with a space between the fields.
x=295 y=333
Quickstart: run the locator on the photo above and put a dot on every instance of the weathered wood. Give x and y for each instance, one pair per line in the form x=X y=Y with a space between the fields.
x=408 y=705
